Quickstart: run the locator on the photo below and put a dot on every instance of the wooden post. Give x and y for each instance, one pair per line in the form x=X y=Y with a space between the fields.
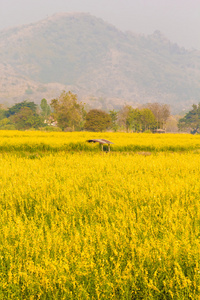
x=108 y=147
x=102 y=147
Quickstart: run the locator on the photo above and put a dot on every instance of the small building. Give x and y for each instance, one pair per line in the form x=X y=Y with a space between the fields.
x=159 y=131
x=101 y=142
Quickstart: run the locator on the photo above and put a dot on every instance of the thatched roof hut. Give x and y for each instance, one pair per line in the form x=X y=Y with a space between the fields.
x=101 y=142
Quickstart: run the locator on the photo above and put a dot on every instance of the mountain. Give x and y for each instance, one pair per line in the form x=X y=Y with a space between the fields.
x=103 y=65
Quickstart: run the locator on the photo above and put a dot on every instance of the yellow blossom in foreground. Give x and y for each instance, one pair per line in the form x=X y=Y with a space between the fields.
x=95 y=225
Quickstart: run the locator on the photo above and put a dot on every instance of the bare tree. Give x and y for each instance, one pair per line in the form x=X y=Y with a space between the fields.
x=161 y=113
x=123 y=116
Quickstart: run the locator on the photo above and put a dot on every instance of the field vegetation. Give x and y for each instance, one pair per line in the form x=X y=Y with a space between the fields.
x=79 y=223
x=37 y=141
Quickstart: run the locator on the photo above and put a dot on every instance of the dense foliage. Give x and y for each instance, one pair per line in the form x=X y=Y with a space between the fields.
x=149 y=117
x=97 y=120
x=45 y=109
x=17 y=107
x=25 y=118
x=68 y=112
x=191 y=121
x=22 y=116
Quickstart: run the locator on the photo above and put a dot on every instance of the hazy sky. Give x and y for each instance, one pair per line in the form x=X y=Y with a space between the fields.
x=178 y=20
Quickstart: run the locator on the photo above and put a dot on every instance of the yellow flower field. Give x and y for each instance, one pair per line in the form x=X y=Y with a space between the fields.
x=76 y=141
x=94 y=225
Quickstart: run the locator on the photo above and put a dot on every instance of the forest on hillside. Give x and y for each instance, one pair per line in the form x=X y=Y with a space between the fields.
x=101 y=64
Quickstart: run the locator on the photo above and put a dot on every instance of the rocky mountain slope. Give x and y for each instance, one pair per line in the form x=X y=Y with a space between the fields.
x=103 y=65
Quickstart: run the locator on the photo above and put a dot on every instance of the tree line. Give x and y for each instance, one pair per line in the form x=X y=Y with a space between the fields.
x=66 y=113
x=24 y=115
x=191 y=121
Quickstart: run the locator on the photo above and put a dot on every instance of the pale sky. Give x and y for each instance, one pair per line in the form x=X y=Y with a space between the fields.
x=178 y=20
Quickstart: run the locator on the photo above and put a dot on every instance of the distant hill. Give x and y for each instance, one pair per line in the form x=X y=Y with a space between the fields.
x=103 y=65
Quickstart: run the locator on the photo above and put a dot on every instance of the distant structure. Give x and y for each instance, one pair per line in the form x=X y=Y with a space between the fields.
x=101 y=142
x=159 y=131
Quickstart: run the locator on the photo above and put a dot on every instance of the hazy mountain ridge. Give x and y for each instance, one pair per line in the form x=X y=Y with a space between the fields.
x=93 y=58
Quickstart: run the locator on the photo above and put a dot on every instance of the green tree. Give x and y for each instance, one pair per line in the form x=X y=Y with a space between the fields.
x=114 y=118
x=134 y=120
x=6 y=124
x=129 y=118
x=2 y=112
x=26 y=118
x=45 y=108
x=191 y=121
x=67 y=111
x=147 y=119
x=17 y=107
x=97 y=120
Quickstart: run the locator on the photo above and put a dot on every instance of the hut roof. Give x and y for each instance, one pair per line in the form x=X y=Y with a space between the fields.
x=100 y=141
